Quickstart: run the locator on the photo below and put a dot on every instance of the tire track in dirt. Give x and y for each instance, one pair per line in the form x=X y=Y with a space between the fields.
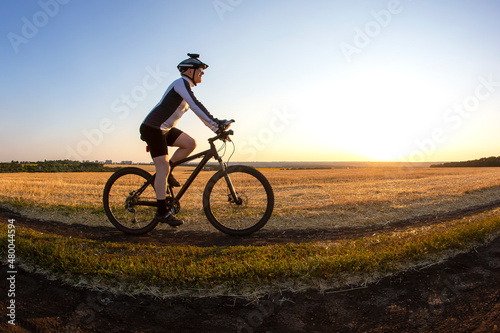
x=216 y=238
x=459 y=295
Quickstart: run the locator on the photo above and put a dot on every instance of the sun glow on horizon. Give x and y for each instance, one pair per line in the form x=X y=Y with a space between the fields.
x=378 y=113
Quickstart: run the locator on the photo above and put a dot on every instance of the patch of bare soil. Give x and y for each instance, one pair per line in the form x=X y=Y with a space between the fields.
x=459 y=295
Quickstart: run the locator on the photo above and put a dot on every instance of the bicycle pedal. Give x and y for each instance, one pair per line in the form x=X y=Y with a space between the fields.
x=172 y=181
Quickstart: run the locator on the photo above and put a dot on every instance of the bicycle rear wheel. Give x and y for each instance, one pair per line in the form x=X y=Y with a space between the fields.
x=253 y=209
x=128 y=203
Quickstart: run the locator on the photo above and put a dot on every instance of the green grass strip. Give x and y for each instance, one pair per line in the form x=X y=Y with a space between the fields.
x=199 y=267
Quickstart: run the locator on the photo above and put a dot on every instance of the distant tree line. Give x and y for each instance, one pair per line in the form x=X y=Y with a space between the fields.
x=482 y=162
x=54 y=166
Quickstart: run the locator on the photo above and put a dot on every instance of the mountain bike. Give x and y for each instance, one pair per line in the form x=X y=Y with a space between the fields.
x=237 y=199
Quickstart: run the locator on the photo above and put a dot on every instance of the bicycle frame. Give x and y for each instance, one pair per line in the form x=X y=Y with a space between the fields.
x=207 y=155
x=132 y=190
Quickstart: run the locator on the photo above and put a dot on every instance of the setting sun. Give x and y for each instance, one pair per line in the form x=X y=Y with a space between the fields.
x=379 y=112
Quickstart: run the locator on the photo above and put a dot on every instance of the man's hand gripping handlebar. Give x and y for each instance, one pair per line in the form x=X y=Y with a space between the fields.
x=222 y=132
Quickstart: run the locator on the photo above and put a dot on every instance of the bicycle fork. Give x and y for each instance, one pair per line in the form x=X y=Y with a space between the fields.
x=233 y=195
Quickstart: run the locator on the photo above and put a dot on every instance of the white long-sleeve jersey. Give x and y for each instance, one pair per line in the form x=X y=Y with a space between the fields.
x=178 y=98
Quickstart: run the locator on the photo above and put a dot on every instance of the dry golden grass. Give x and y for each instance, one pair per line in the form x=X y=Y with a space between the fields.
x=358 y=197
x=304 y=198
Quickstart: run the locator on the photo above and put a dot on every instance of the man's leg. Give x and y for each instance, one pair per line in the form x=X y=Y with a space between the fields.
x=186 y=146
x=162 y=168
x=159 y=152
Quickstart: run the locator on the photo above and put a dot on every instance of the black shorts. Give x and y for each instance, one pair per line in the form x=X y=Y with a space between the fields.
x=158 y=141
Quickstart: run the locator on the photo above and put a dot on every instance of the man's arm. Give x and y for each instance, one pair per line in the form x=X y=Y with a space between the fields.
x=199 y=109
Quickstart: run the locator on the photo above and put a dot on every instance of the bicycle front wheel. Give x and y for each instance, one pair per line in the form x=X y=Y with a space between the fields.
x=129 y=203
x=251 y=210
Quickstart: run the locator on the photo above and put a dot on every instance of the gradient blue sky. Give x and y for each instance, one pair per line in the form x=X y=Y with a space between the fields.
x=305 y=80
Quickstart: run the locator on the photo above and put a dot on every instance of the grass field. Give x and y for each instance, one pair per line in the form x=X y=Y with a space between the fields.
x=310 y=199
x=304 y=198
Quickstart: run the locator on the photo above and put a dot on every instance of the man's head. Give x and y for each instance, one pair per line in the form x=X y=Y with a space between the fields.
x=192 y=68
x=194 y=74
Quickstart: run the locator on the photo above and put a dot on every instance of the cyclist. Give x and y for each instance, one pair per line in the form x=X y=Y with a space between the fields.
x=159 y=131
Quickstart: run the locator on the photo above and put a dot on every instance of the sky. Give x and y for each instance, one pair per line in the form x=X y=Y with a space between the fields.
x=326 y=80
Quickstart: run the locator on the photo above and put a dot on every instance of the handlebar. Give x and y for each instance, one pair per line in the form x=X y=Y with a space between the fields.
x=223 y=134
x=224 y=124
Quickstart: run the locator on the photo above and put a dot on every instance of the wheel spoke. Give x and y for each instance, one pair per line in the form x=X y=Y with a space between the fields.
x=120 y=201
x=244 y=214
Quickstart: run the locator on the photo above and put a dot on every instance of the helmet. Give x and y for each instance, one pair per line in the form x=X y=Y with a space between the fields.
x=191 y=62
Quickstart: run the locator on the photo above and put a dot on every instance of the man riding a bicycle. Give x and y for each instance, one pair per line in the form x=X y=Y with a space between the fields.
x=159 y=131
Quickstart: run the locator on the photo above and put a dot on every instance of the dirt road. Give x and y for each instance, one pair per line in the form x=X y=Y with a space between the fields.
x=460 y=295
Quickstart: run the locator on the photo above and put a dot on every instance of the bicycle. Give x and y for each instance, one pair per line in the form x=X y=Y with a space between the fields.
x=237 y=200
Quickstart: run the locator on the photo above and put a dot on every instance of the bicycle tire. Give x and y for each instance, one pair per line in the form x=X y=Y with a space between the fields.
x=246 y=217
x=116 y=199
